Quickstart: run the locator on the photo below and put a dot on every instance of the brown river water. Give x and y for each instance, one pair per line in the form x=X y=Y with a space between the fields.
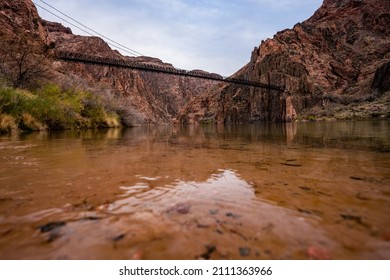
x=294 y=191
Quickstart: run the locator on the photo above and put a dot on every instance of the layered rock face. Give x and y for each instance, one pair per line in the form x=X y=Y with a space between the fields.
x=142 y=97
x=22 y=44
x=139 y=98
x=339 y=56
x=20 y=17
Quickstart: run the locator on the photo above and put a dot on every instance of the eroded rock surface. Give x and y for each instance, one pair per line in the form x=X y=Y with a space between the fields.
x=336 y=58
x=139 y=98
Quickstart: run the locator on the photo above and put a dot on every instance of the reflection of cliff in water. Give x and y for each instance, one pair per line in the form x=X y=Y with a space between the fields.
x=374 y=135
x=273 y=191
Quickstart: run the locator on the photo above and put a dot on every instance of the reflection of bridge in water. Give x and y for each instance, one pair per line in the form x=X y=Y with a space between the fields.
x=116 y=62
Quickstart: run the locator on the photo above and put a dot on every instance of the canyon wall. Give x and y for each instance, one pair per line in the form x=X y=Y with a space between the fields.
x=333 y=65
x=138 y=97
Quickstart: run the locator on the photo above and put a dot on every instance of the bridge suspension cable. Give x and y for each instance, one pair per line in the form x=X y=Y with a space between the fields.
x=87 y=29
x=126 y=63
x=115 y=62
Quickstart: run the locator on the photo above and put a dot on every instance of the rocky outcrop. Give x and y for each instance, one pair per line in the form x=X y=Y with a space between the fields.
x=22 y=44
x=139 y=98
x=381 y=81
x=337 y=57
x=20 y=17
x=55 y=27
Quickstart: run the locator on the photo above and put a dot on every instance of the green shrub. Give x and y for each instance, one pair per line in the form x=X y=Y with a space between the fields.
x=54 y=108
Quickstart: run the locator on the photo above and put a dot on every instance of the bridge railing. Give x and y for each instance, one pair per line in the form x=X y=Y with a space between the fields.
x=118 y=62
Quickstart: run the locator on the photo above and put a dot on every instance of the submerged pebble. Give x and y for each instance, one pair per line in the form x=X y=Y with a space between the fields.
x=232 y=215
x=51 y=226
x=181 y=208
x=317 y=253
x=207 y=254
x=118 y=237
x=350 y=217
x=386 y=235
x=244 y=251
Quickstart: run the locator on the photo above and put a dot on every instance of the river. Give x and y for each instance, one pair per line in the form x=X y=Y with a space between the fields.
x=280 y=191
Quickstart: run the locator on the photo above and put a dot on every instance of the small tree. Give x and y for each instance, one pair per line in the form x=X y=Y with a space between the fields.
x=22 y=62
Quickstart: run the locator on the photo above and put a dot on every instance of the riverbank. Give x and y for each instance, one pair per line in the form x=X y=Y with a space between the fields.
x=52 y=108
x=376 y=109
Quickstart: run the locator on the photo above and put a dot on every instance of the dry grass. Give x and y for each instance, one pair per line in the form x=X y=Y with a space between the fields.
x=7 y=124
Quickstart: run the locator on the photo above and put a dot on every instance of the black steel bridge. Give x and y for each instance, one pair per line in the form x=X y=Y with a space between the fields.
x=117 y=62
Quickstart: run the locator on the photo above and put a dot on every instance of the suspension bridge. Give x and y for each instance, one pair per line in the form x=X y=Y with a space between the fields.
x=141 y=66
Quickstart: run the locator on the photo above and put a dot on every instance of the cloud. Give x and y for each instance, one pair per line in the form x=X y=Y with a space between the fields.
x=282 y=4
x=217 y=36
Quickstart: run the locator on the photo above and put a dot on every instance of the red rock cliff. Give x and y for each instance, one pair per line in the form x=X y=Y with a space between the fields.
x=140 y=98
x=333 y=61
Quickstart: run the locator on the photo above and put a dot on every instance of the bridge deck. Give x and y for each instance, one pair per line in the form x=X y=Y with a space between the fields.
x=83 y=58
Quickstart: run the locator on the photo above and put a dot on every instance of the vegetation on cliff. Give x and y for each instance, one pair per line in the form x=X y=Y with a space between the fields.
x=51 y=107
x=27 y=43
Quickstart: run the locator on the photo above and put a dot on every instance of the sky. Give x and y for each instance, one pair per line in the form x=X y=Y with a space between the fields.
x=213 y=35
